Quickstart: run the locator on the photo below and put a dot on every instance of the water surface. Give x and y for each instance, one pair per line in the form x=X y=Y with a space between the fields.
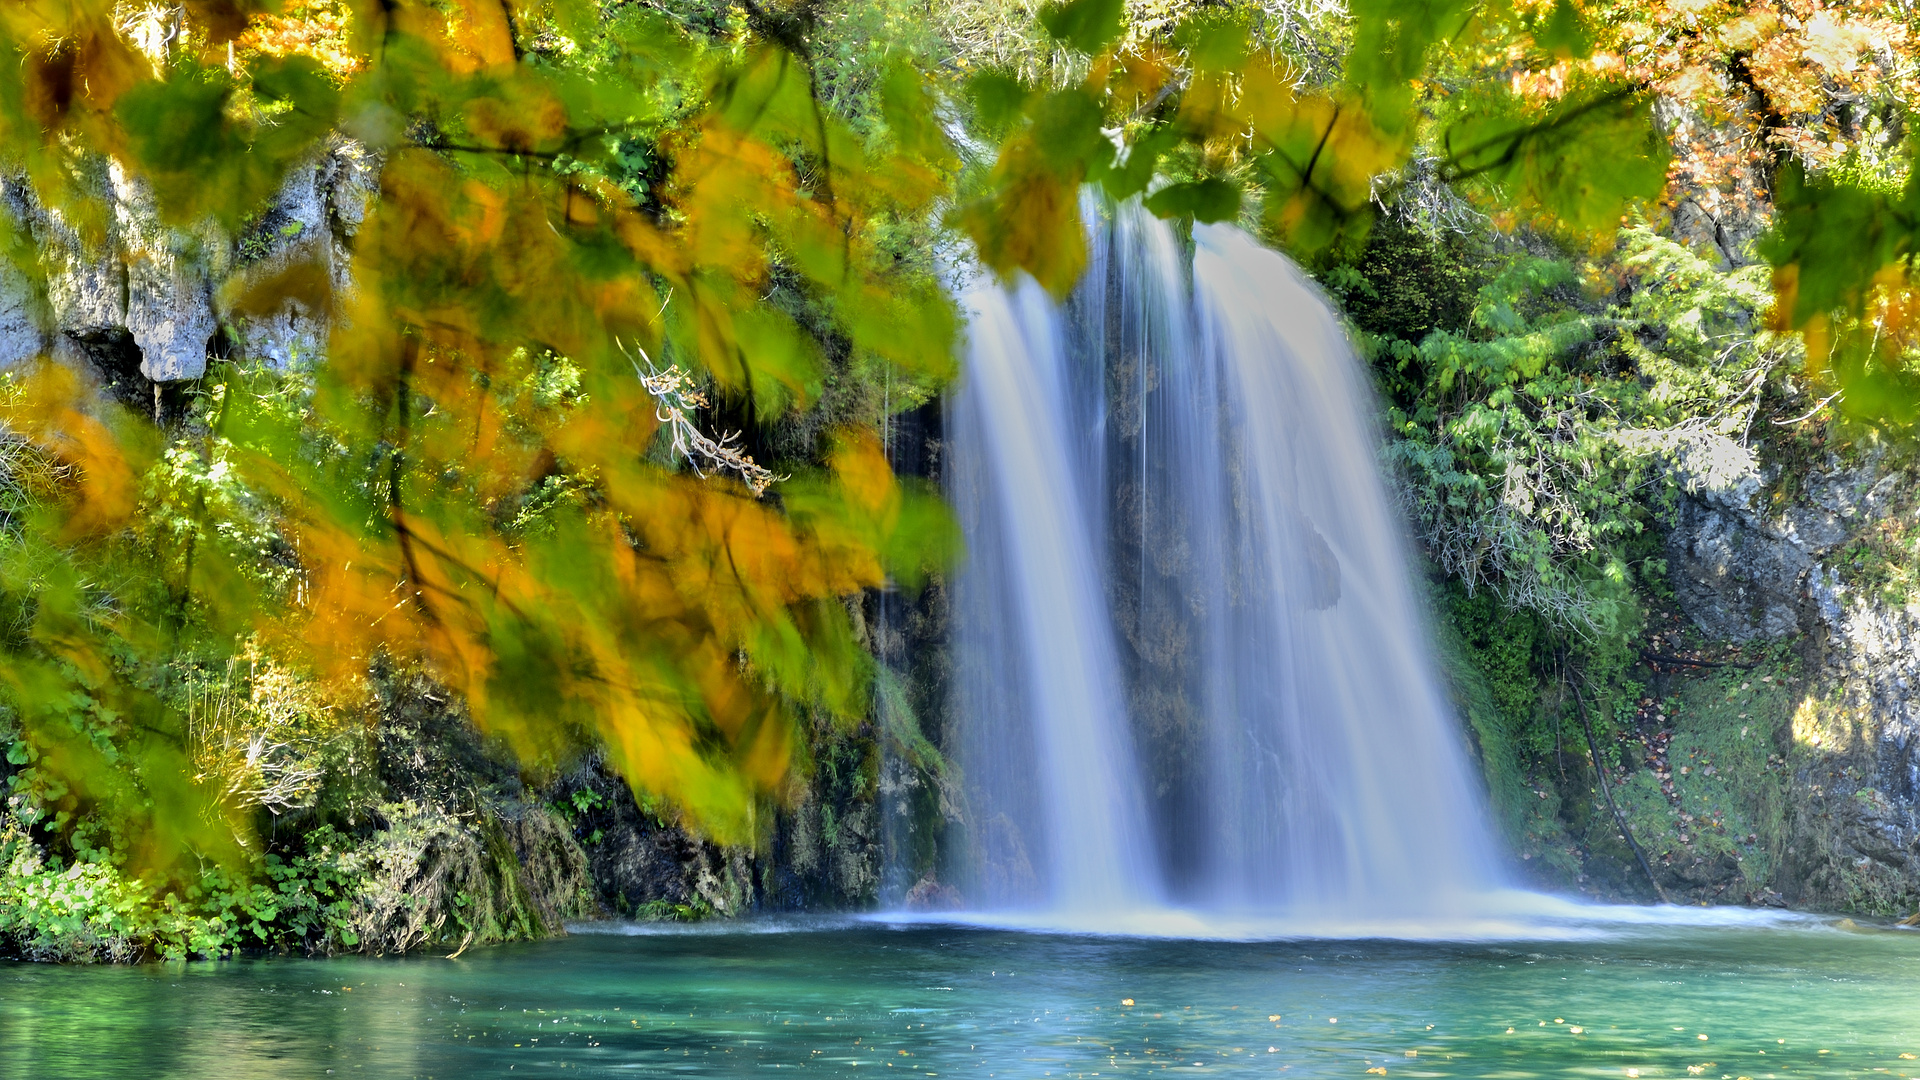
x=1772 y=998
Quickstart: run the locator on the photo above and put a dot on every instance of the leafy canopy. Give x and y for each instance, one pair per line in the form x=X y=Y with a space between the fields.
x=1227 y=124
x=469 y=480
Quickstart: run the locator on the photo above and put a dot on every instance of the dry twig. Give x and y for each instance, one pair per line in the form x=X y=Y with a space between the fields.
x=676 y=399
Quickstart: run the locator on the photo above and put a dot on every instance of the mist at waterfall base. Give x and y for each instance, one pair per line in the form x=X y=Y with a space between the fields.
x=1192 y=679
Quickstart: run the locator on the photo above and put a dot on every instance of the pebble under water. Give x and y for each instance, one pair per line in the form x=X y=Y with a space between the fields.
x=1750 y=997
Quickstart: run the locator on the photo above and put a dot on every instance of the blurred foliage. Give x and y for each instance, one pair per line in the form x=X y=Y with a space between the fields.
x=571 y=202
x=1229 y=124
x=1800 y=110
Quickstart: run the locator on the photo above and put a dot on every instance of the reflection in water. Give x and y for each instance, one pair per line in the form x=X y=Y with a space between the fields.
x=846 y=999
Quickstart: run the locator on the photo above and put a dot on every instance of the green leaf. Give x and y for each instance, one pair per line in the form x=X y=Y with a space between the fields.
x=1213 y=42
x=311 y=100
x=1563 y=33
x=1067 y=128
x=998 y=99
x=1838 y=236
x=1086 y=25
x=1212 y=199
x=200 y=160
x=1581 y=161
x=178 y=124
x=781 y=361
x=577 y=19
x=1131 y=174
x=1390 y=44
x=909 y=114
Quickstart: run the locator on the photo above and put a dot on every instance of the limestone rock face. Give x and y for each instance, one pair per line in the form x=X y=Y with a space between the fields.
x=21 y=335
x=131 y=295
x=1735 y=580
x=1742 y=572
x=301 y=245
x=168 y=299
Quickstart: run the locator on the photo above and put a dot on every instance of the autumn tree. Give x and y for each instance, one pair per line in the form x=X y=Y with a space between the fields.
x=577 y=219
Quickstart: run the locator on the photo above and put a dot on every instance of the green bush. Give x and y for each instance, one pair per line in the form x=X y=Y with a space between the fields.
x=95 y=910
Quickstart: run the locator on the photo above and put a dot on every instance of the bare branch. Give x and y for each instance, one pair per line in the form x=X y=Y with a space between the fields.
x=676 y=399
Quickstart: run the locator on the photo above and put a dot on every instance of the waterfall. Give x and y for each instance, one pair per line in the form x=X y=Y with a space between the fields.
x=1190 y=665
x=1065 y=823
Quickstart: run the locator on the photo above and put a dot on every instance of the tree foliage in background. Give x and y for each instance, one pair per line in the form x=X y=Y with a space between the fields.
x=1551 y=394
x=1547 y=408
x=1550 y=386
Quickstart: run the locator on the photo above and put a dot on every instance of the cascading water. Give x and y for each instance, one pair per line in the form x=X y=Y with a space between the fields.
x=1064 y=822
x=1190 y=667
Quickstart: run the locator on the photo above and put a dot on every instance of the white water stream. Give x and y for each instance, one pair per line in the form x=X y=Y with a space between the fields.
x=1190 y=667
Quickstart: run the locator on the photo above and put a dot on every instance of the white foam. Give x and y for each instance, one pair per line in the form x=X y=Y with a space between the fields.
x=1506 y=915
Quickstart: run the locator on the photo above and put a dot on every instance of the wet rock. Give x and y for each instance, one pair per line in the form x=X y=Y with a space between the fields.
x=822 y=853
x=647 y=867
x=1692 y=873
x=930 y=894
x=1737 y=573
x=1737 y=581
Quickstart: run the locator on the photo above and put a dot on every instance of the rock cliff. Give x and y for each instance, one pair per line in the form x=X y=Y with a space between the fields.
x=137 y=303
x=1822 y=568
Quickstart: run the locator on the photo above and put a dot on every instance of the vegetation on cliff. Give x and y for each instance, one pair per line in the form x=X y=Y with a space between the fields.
x=1566 y=417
